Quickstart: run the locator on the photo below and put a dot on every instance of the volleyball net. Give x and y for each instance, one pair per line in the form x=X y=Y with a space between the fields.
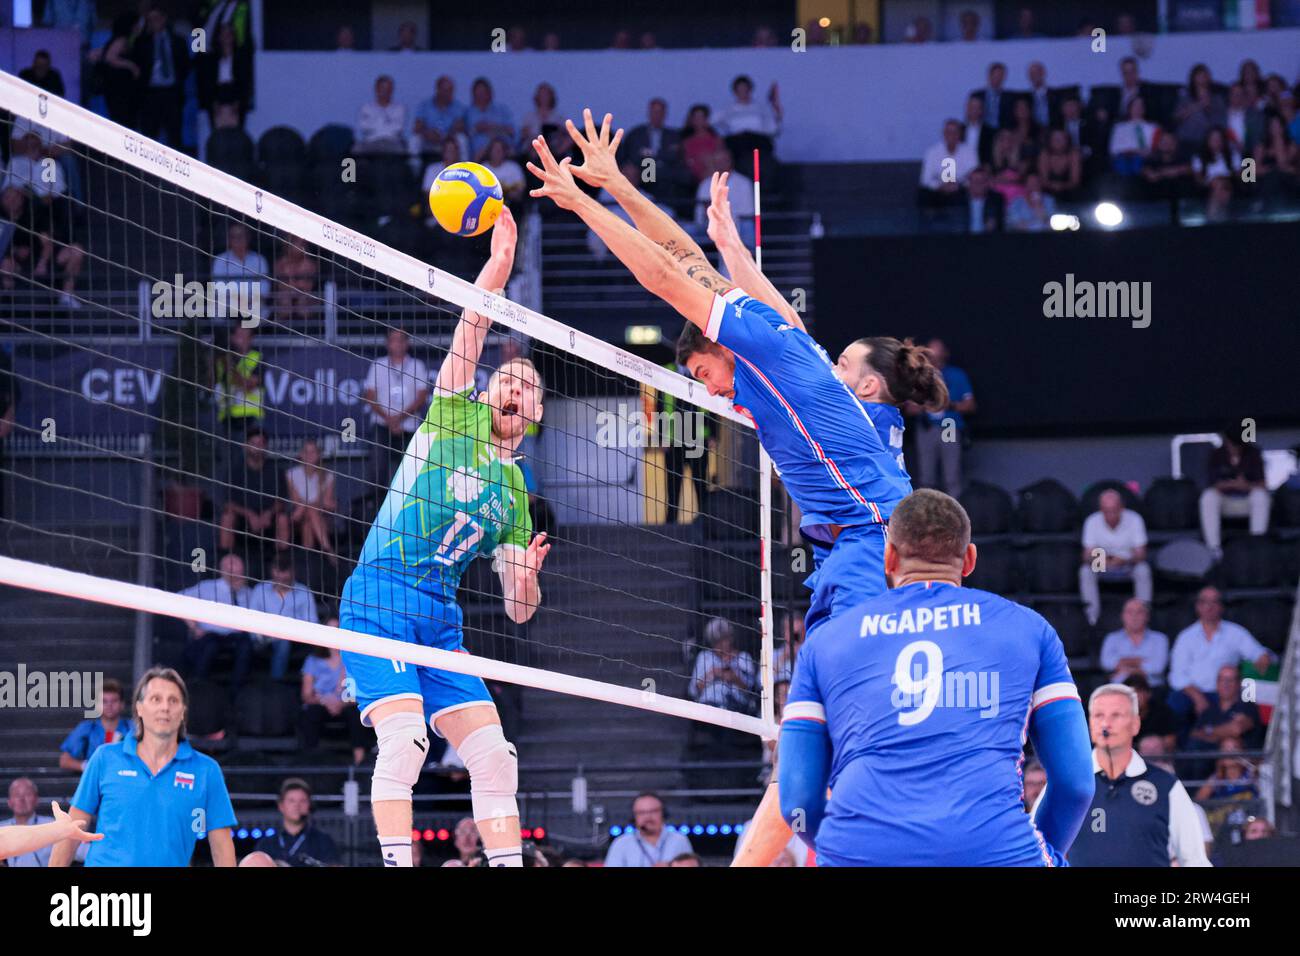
x=217 y=386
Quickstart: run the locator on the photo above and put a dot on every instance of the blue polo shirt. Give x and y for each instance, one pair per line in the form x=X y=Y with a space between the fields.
x=959 y=389
x=89 y=735
x=148 y=819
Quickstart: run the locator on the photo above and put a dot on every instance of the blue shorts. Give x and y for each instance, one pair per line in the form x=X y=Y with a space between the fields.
x=376 y=603
x=852 y=571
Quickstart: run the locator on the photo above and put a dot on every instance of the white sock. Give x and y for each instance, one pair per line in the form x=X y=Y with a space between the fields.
x=505 y=856
x=396 y=850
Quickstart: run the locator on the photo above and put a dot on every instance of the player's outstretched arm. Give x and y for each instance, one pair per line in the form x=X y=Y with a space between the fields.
x=652 y=266
x=457 y=372
x=519 y=585
x=744 y=270
x=1059 y=732
x=600 y=168
x=64 y=833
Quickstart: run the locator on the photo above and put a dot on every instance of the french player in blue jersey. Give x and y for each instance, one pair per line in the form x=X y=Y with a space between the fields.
x=457 y=495
x=913 y=708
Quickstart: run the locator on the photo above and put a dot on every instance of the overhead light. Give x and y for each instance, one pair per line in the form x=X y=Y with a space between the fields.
x=1062 y=221
x=1108 y=214
x=643 y=335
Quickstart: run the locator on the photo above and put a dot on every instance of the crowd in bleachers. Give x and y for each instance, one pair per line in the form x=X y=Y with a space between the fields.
x=1020 y=153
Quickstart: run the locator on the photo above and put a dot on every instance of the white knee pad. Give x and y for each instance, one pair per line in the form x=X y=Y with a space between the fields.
x=403 y=749
x=493 y=773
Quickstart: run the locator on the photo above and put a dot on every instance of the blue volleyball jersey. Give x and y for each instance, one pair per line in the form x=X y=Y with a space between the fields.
x=926 y=692
x=821 y=440
x=890 y=427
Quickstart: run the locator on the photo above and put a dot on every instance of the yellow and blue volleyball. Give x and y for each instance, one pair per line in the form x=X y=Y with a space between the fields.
x=465 y=199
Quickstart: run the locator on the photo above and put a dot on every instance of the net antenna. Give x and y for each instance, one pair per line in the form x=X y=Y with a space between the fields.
x=98 y=140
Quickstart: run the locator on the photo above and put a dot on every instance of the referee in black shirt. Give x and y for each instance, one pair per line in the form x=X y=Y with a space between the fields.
x=297 y=842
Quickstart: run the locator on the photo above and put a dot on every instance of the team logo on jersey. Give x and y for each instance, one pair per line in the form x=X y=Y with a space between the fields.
x=465 y=485
x=183 y=780
x=1144 y=792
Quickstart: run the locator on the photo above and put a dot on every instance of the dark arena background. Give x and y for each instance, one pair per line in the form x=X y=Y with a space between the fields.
x=226 y=303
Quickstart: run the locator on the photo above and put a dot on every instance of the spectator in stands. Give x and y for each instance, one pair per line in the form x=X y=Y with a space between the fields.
x=941 y=435
x=691 y=859
x=1008 y=169
x=287 y=597
x=508 y=172
x=23 y=799
x=1216 y=158
x=1149 y=816
x=517 y=39
x=1167 y=174
x=451 y=153
x=225 y=76
x=396 y=388
x=985 y=207
x=205 y=640
x=1219 y=200
x=42 y=73
x=747 y=125
x=241 y=263
x=1025 y=131
x=1258 y=828
x=254 y=509
x=1134 y=648
x=1252 y=81
x=163 y=61
x=466 y=840
x=976 y=133
x=1201 y=650
x=1109 y=105
x=1226 y=718
x=997 y=103
x=1044 y=104
x=312 y=501
x=764 y=36
x=1132 y=140
x=42 y=234
x=1035 y=780
x=28 y=169
x=551 y=41
x=1032 y=211
x=346 y=39
x=485 y=120
x=648 y=843
x=440 y=118
x=296 y=841
x=381 y=124
x=1233 y=779
x=406 y=34
x=946 y=167
x=740 y=196
x=724 y=676
x=1158 y=721
x=1025 y=28
x=1245 y=121
x=1114 y=549
x=700 y=142
x=295 y=282
x=969 y=23
x=622 y=40
x=544 y=119
x=1060 y=167
x=920 y=30
x=325 y=698
x=790 y=638
x=1126 y=24
x=1086 y=135
x=92 y=733
x=1199 y=108
x=653 y=140
x=1236 y=488
x=118 y=73
x=1153 y=750
x=1277 y=159
x=239 y=382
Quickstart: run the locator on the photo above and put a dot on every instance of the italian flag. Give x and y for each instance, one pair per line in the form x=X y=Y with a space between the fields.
x=1260 y=687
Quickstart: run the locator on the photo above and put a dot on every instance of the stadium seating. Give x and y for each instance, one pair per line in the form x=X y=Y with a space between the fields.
x=1089 y=500
x=1170 y=505
x=1047 y=506
x=990 y=508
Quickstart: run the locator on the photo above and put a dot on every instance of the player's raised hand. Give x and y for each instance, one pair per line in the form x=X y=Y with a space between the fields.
x=536 y=553
x=722 y=228
x=505 y=235
x=599 y=151
x=557 y=178
x=73 y=829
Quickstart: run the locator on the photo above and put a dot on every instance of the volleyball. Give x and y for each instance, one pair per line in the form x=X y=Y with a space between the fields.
x=465 y=199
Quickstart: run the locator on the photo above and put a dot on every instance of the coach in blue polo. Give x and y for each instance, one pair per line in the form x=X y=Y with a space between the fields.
x=152 y=794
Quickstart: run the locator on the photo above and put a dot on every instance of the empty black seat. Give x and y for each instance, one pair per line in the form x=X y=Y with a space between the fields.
x=1052 y=567
x=1249 y=562
x=990 y=508
x=1088 y=501
x=231 y=151
x=330 y=145
x=281 y=144
x=208 y=711
x=1170 y=505
x=1269 y=619
x=267 y=709
x=995 y=570
x=1047 y=507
